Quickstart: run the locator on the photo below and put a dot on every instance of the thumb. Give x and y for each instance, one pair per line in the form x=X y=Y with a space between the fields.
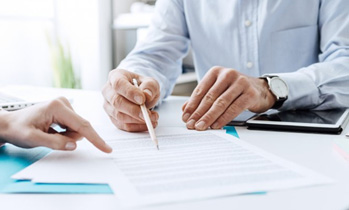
x=151 y=90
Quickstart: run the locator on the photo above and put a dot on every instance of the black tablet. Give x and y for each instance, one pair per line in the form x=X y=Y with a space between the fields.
x=324 y=121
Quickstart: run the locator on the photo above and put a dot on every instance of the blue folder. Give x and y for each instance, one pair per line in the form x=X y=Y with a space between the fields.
x=14 y=159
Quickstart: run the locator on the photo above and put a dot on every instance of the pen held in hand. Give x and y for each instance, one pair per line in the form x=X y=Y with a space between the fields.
x=147 y=119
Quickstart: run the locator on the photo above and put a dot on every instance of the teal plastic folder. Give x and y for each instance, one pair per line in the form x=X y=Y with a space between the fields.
x=14 y=159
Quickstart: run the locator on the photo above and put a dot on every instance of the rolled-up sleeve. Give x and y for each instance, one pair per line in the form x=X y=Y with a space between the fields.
x=160 y=54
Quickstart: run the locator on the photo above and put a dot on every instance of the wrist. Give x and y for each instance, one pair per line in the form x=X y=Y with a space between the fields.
x=4 y=125
x=278 y=88
x=270 y=97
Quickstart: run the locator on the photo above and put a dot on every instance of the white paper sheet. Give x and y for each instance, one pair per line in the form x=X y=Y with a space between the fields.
x=86 y=164
x=190 y=165
x=197 y=166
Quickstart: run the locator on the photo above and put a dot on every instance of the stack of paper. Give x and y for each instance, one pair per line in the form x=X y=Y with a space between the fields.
x=190 y=165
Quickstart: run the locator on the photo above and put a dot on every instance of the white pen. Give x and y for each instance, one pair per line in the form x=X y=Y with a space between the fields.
x=147 y=119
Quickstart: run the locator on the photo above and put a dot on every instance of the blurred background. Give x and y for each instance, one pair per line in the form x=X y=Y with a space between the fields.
x=73 y=43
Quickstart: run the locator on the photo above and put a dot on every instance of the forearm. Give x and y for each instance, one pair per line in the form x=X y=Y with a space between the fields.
x=325 y=85
x=160 y=54
x=320 y=86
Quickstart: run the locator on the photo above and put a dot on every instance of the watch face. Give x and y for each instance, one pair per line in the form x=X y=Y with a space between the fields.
x=279 y=87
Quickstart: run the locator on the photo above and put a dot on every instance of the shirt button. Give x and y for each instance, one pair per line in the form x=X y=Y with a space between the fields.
x=248 y=23
x=249 y=65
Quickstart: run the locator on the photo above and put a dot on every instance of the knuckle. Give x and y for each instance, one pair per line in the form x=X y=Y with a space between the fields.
x=63 y=99
x=243 y=101
x=58 y=144
x=251 y=94
x=118 y=83
x=243 y=80
x=54 y=104
x=231 y=73
x=117 y=101
x=234 y=109
x=196 y=115
x=198 y=92
x=119 y=116
x=209 y=98
x=216 y=69
x=221 y=104
x=84 y=124
x=225 y=118
x=135 y=110
x=156 y=84
x=209 y=116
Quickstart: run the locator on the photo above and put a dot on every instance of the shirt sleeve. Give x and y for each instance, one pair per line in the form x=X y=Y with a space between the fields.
x=160 y=54
x=324 y=85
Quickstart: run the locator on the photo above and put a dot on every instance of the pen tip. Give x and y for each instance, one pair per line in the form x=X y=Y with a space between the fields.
x=157 y=146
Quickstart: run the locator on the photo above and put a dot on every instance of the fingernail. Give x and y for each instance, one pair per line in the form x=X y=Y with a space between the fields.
x=70 y=146
x=191 y=124
x=186 y=117
x=148 y=92
x=200 y=126
x=215 y=126
x=139 y=99
x=109 y=147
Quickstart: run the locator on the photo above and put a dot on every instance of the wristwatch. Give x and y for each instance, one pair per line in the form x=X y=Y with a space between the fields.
x=278 y=87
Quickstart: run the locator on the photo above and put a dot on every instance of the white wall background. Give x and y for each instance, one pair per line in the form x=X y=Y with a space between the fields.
x=86 y=27
x=83 y=25
x=24 y=53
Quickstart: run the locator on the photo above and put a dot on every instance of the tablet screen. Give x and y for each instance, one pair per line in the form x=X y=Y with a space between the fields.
x=304 y=116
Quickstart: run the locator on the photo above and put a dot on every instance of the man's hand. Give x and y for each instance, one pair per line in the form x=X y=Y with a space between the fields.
x=31 y=127
x=222 y=95
x=122 y=99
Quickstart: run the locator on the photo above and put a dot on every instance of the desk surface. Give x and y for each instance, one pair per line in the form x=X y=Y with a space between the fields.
x=314 y=151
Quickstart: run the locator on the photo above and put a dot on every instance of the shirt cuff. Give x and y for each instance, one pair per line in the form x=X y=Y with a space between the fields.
x=303 y=93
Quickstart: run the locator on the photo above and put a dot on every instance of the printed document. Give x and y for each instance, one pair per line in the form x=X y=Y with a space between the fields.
x=190 y=165
x=197 y=166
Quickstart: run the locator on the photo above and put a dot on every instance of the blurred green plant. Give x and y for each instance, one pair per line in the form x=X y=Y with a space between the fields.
x=64 y=75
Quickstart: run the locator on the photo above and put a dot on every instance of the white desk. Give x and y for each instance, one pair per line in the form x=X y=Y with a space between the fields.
x=311 y=150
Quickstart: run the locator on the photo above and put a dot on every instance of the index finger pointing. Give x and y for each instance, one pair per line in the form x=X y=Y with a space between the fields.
x=70 y=119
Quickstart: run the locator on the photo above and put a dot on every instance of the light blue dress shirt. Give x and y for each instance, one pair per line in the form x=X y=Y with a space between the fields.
x=305 y=42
